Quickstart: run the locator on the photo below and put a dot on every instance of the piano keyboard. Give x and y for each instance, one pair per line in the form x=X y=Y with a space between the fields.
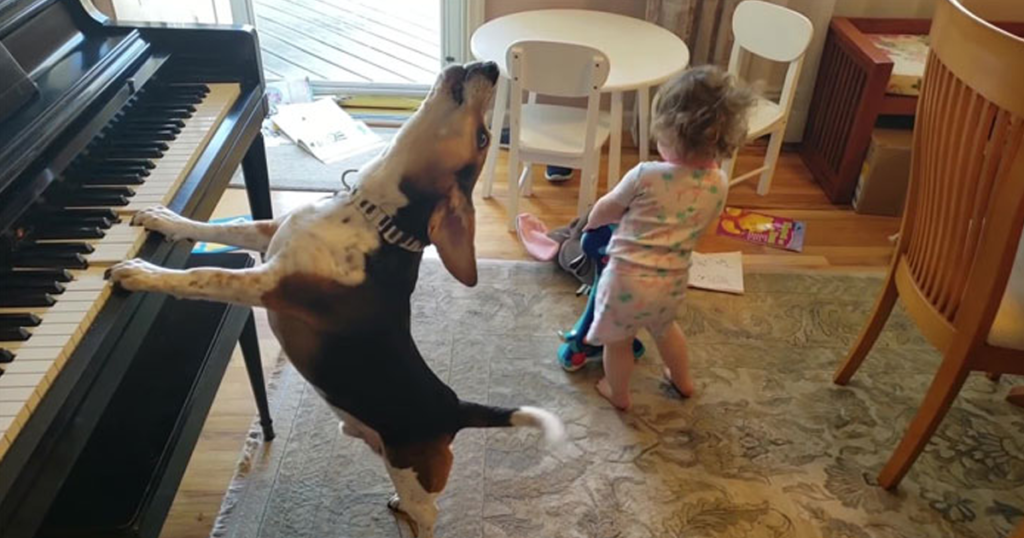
x=51 y=283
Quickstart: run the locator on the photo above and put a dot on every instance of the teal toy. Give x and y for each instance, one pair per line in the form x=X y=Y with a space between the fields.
x=574 y=353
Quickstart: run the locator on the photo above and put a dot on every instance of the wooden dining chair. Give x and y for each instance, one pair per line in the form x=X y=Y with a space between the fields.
x=963 y=218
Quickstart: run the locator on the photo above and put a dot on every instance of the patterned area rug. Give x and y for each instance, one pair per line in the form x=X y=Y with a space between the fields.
x=768 y=448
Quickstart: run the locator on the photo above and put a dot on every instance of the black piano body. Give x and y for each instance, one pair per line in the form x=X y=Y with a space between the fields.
x=80 y=73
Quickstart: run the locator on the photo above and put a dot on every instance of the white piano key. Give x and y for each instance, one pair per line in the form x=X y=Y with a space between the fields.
x=48 y=328
x=20 y=366
x=39 y=359
x=9 y=409
x=14 y=381
x=38 y=353
x=16 y=394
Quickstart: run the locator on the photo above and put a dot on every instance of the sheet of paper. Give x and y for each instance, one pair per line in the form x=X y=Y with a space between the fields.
x=325 y=130
x=717 y=272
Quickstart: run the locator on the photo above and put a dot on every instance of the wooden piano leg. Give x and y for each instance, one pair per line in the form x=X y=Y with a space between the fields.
x=257 y=179
x=254 y=366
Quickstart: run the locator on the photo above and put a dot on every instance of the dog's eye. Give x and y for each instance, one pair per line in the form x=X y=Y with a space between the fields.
x=482 y=138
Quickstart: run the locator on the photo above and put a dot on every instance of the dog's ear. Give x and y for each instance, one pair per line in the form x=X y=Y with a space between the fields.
x=452 y=229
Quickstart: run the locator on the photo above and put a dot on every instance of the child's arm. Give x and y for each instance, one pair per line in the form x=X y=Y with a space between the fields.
x=612 y=206
x=606 y=211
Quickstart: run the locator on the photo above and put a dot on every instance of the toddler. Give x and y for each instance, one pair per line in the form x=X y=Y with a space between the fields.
x=662 y=209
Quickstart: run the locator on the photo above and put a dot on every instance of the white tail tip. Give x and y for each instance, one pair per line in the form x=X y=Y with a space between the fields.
x=554 y=430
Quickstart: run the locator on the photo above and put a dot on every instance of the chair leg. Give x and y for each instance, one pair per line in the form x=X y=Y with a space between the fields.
x=1016 y=396
x=588 y=183
x=943 y=390
x=497 y=123
x=869 y=334
x=514 y=191
x=644 y=110
x=770 y=159
x=526 y=182
x=729 y=166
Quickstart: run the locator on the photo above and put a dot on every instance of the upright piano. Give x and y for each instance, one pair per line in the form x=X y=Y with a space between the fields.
x=103 y=393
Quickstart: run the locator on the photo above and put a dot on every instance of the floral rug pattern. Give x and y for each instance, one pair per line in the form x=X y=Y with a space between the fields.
x=769 y=447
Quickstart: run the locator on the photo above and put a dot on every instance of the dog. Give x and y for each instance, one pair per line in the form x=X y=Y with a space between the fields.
x=337 y=278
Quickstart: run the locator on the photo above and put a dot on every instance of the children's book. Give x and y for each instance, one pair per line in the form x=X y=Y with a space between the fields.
x=721 y=271
x=213 y=248
x=762 y=229
x=325 y=130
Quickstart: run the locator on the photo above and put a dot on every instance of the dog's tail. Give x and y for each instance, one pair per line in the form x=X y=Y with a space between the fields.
x=474 y=415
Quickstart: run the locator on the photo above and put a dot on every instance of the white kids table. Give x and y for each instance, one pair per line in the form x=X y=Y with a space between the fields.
x=641 y=55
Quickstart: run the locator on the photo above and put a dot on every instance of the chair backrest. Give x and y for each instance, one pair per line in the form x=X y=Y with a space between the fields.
x=771 y=31
x=554 y=68
x=965 y=204
x=775 y=33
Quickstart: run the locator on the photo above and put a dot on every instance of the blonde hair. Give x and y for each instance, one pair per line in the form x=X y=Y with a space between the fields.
x=702 y=113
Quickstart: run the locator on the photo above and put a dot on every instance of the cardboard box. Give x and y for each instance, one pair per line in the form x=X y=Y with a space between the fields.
x=882 y=187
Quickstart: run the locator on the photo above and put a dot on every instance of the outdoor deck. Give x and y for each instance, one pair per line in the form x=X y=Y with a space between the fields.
x=393 y=41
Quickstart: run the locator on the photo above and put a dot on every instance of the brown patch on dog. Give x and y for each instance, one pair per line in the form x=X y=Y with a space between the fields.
x=267 y=228
x=430 y=460
x=315 y=299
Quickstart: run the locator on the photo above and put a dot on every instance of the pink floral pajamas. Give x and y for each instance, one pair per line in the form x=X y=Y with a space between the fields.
x=668 y=208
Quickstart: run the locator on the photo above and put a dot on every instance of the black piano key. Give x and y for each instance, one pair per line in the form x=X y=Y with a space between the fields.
x=165 y=113
x=24 y=299
x=13 y=334
x=136 y=145
x=63 y=260
x=40 y=283
x=112 y=179
x=162 y=106
x=52 y=215
x=109 y=190
x=126 y=153
x=111 y=168
x=165 y=135
x=56 y=275
x=86 y=198
x=19 y=320
x=44 y=248
x=69 y=232
x=6 y=356
x=117 y=163
x=151 y=122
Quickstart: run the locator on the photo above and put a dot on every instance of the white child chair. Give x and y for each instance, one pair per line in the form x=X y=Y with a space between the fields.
x=778 y=34
x=553 y=134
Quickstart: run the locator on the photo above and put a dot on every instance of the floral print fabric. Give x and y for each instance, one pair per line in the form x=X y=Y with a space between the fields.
x=669 y=207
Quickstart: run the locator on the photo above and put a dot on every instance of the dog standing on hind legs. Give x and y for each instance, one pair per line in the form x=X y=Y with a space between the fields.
x=337 y=279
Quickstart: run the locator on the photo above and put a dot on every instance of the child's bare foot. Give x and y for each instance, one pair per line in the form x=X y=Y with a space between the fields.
x=621 y=402
x=684 y=388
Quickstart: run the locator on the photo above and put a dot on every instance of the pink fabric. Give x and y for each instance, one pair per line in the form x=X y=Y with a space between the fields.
x=534 y=237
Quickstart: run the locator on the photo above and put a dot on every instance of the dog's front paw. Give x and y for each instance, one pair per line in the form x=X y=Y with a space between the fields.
x=134 y=275
x=160 y=219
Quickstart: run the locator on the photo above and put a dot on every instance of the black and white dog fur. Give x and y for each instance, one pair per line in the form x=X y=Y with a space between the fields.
x=337 y=279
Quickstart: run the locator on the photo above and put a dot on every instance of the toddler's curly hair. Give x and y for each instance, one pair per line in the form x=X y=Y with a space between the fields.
x=702 y=113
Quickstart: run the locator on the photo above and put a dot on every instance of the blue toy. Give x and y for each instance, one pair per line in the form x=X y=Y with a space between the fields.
x=574 y=353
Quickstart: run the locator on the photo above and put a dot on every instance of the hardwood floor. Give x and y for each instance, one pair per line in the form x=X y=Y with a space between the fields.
x=836 y=239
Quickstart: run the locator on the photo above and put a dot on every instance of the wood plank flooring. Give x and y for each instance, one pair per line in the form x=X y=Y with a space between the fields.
x=397 y=41
x=837 y=239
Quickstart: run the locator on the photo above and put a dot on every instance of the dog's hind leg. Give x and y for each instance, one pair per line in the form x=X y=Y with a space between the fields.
x=419 y=472
x=250 y=235
x=238 y=286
